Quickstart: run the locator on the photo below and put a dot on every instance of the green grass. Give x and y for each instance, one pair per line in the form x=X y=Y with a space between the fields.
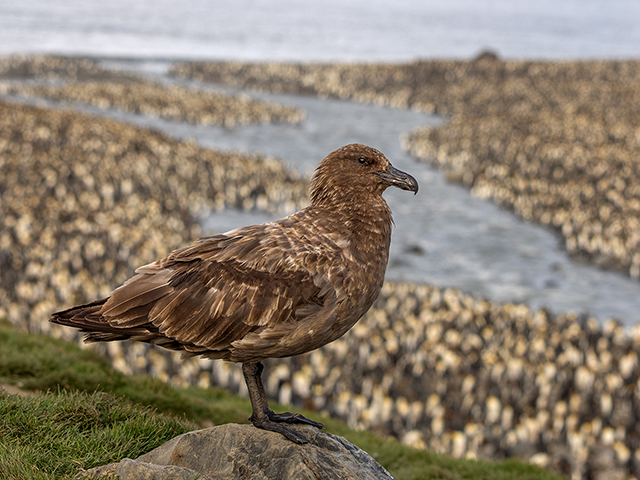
x=52 y=435
x=92 y=415
x=38 y=362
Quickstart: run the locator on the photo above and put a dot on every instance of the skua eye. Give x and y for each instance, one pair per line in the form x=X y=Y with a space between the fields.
x=363 y=161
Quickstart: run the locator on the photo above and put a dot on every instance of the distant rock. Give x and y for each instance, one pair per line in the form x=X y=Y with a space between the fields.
x=487 y=56
x=244 y=452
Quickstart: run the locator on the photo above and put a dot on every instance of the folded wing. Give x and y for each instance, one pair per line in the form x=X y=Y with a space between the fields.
x=254 y=283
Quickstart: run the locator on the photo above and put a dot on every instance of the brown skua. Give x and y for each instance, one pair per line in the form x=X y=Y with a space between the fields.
x=265 y=291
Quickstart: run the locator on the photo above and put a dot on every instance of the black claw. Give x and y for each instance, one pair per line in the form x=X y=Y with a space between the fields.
x=265 y=424
x=288 y=417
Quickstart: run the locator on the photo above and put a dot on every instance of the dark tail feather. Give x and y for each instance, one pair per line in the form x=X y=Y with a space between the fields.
x=81 y=316
x=89 y=320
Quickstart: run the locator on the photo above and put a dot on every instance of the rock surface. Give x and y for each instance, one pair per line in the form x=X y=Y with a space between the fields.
x=243 y=452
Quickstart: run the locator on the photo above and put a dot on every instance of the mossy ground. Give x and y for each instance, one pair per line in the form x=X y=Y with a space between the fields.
x=87 y=414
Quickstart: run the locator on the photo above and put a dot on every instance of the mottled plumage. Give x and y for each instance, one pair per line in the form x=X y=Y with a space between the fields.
x=272 y=290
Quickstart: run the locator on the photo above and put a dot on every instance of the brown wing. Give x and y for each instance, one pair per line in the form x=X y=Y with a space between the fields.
x=207 y=296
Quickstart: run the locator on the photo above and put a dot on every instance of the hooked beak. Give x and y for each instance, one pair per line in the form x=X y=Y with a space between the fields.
x=397 y=178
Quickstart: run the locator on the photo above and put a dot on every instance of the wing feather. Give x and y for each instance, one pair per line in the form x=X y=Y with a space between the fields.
x=253 y=283
x=141 y=289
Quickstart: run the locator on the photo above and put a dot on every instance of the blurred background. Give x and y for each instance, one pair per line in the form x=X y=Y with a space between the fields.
x=509 y=325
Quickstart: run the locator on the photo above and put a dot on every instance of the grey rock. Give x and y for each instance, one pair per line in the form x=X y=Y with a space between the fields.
x=128 y=468
x=244 y=452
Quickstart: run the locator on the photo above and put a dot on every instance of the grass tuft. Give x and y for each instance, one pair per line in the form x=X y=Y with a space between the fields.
x=53 y=435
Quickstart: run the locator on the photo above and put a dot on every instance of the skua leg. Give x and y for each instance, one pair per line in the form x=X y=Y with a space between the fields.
x=265 y=418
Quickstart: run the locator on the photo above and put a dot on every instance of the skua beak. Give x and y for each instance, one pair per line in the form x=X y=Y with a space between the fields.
x=400 y=179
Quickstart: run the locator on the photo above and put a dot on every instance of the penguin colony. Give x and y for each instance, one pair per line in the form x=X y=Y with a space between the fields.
x=89 y=84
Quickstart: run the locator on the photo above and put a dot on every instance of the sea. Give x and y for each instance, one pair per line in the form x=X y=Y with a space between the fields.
x=322 y=30
x=444 y=235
